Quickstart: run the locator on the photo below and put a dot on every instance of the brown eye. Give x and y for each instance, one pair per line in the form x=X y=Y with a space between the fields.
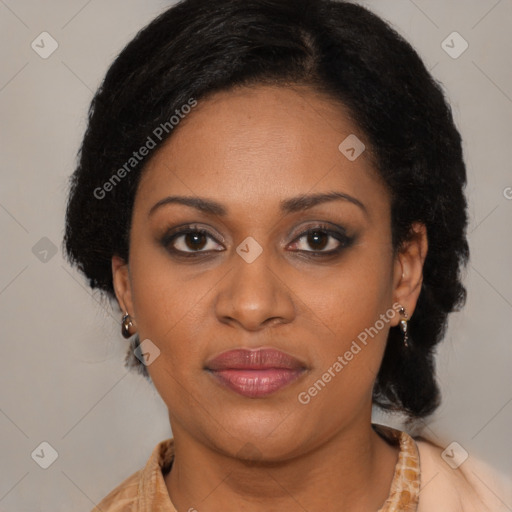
x=190 y=241
x=195 y=241
x=317 y=239
x=322 y=241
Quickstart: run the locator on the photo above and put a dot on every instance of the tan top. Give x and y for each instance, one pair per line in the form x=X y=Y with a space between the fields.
x=443 y=488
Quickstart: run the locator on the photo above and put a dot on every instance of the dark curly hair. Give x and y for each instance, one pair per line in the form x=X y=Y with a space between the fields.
x=337 y=48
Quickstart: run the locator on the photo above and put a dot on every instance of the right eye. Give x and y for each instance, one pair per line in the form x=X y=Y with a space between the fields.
x=190 y=241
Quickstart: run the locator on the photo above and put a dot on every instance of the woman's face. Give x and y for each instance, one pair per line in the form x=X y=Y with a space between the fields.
x=256 y=279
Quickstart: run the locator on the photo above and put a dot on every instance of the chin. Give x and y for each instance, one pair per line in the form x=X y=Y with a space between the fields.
x=261 y=438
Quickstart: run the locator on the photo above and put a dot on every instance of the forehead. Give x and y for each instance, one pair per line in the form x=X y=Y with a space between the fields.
x=255 y=146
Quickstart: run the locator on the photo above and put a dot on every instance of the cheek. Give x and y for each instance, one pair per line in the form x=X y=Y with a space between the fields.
x=166 y=307
x=354 y=295
x=354 y=309
x=168 y=313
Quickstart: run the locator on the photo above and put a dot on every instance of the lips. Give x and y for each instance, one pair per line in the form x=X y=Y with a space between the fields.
x=255 y=373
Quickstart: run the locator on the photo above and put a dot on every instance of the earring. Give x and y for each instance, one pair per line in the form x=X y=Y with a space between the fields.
x=126 y=323
x=403 y=326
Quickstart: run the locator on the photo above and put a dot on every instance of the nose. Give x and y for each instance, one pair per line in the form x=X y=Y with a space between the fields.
x=254 y=295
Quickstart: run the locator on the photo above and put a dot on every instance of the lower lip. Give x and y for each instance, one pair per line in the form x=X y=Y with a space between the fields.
x=256 y=383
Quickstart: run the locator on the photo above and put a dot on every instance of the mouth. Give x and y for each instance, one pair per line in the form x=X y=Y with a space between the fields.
x=255 y=373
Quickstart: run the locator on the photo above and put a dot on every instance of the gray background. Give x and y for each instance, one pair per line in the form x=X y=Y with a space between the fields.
x=61 y=371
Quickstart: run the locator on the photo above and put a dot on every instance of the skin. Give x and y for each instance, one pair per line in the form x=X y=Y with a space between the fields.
x=249 y=149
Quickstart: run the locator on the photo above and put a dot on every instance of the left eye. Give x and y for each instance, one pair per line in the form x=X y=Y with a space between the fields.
x=322 y=240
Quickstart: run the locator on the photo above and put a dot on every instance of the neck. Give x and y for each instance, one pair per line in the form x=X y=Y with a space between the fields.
x=351 y=471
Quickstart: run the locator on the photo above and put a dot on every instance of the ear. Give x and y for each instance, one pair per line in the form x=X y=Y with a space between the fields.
x=122 y=285
x=408 y=269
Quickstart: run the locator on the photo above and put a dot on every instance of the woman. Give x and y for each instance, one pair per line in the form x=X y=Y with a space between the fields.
x=272 y=191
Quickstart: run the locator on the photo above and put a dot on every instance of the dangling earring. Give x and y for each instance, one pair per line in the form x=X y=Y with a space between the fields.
x=126 y=324
x=403 y=326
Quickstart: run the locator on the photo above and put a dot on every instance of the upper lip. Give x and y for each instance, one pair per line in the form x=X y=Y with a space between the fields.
x=254 y=359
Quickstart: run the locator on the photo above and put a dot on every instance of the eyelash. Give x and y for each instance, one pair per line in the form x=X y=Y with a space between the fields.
x=344 y=241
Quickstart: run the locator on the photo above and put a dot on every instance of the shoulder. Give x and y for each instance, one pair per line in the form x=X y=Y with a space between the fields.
x=123 y=497
x=146 y=485
x=459 y=484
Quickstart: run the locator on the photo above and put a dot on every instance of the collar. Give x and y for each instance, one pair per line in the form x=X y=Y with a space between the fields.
x=403 y=496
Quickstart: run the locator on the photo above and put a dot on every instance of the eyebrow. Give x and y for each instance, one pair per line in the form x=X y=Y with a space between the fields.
x=291 y=205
